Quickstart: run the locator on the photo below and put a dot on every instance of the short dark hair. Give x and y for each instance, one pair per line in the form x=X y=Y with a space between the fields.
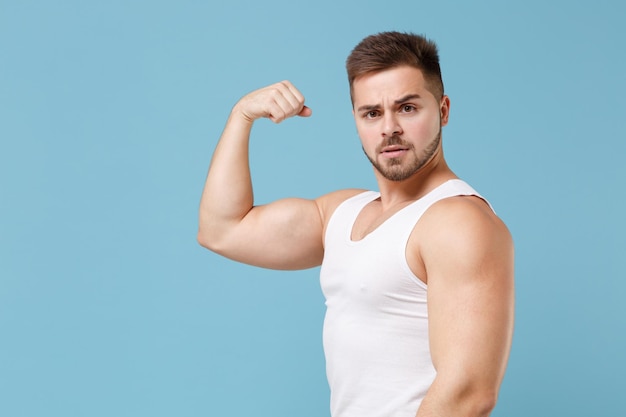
x=388 y=50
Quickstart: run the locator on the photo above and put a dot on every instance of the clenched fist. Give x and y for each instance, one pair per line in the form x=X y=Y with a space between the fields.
x=277 y=102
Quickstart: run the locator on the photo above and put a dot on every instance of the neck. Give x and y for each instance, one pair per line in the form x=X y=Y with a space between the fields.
x=430 y=176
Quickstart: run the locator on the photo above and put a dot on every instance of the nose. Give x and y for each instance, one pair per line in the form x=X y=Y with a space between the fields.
x=391 y=127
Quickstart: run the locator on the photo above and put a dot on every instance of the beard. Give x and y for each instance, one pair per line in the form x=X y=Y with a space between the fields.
x=399 y=169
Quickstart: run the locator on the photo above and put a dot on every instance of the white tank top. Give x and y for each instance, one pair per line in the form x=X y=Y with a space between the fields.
x=376 y=326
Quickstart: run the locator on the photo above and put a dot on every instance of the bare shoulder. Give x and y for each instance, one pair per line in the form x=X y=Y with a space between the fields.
x=463 y=216
x=463 y=232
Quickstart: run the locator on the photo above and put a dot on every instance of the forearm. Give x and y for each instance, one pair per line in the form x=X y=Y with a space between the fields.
x=227 y=196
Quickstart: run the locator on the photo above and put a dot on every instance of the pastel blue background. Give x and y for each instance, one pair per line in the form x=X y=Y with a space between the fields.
x=109 y=113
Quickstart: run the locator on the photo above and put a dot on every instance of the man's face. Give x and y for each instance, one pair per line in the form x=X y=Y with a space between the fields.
x=398 y=120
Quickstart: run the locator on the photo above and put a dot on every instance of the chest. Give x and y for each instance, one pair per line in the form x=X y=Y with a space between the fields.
x=370 y=218
x=388 y=228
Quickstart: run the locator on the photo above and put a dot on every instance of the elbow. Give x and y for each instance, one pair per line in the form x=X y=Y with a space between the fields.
x=468 y=399
x=482 y=403
x=478 y=403
x=202 y=240
x=208 y=240
x=217 y=236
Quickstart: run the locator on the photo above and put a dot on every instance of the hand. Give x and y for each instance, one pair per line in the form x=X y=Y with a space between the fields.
x=277 y=102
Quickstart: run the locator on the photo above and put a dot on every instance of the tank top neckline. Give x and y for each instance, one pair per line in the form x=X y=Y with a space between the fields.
x=370 y=196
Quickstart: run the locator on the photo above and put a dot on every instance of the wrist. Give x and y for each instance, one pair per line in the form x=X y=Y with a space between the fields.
x=239 y=115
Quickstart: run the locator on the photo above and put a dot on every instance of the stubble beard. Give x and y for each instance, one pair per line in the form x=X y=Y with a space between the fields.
x=399 y=169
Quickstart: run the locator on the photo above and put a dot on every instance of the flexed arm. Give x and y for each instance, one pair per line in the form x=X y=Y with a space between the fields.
x=286 y=234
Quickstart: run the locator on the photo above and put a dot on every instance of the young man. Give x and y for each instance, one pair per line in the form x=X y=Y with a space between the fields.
x=418 y=277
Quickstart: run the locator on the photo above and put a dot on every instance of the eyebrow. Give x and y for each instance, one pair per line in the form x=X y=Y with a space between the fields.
x=369 y=107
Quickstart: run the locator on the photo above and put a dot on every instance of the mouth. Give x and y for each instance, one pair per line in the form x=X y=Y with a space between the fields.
x=393 y=151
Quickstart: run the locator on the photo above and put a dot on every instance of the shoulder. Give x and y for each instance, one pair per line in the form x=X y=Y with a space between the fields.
x=462 y=214
x=465 y=223
x=463 y=232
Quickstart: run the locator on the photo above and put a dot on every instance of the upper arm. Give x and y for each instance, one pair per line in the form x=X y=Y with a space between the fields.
x=468 y=257
x=284 y=234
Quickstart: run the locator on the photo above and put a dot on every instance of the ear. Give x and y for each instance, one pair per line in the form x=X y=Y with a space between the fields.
x=444 y=110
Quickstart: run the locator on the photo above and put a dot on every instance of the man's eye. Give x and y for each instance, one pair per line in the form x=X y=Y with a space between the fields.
x=408 y=108
x=371 y=114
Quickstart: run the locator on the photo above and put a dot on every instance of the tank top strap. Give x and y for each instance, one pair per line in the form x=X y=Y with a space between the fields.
x=413 y=212
x=450 y=188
